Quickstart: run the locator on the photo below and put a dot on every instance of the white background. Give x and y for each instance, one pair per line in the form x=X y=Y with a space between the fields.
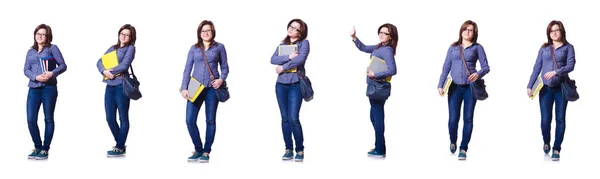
x=506 y=140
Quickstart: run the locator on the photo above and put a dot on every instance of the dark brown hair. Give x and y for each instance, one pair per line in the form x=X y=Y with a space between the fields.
x=48 y=36
x=132 y=36
x=303 y=31
x=393 y=34
x=463 y=28
x=563 y=33
x=212 y=27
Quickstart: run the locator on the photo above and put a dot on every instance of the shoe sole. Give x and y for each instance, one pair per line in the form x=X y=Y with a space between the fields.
x=192 y=160
x=376 y=156
x=298 y=160
x=203 y=161
x=30 y=157
x=285 y=158
x=462 y=158
x=41 y=158
x=115 y=155
x=555 y=159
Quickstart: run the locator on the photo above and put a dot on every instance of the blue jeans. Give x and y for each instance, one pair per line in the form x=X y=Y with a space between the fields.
x=115 y=99
x=45 y=95
x=549 y=96
x=377 y=119
x=289 y=99
x=456 y=96
x=209 y=97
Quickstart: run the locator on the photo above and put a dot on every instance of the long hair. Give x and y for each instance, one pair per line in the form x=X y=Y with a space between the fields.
x=393 y=34
x=303 y=31
x=132 y=37
x=213 y=32
x=463 y=28
x=563 y=32
x=48 y=36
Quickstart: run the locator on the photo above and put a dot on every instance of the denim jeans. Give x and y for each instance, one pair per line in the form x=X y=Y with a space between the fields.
x=289 y=98
x=115 y=100
x=45 y=95
x=549 y=96
x=209 y=97
x=457 y=95
x=377 y=119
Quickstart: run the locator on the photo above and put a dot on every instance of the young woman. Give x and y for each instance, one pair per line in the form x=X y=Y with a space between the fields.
x=385 y=50
x=114 y=98
x=43 y=63
x=463 y=53
x=206 y=50
x=555 y=60
x=287 y=87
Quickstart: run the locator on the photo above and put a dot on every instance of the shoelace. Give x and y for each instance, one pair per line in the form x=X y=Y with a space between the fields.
x=301 y=153
x=205 y=154
x=44 y=152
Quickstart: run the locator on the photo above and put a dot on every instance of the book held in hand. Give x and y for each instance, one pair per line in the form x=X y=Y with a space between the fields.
x=447 y=85
x=537 y=86
x=287 y=50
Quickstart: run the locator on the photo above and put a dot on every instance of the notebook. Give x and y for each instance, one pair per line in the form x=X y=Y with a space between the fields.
x=377 y=65
x=109 y=61
x=287 y=50
x=194 y=89
x=447 y=85
x=537 y=86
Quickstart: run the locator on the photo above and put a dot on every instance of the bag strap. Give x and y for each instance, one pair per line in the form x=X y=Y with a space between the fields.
x=553 y=57
x=462 y=55
x=206 y=62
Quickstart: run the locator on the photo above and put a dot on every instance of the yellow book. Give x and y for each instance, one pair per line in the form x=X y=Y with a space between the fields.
x=377 y=65
x=447 y=85
x=287 y=50
x=194 y=89
x=109 y=61
x=537 y=86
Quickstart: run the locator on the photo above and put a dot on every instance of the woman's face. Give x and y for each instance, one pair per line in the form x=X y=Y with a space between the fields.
x=555 y=33
x=41 y=36
x=467 y=34
x=206 y=33
x=384 y=35
x=125 y=36
x=294 y=30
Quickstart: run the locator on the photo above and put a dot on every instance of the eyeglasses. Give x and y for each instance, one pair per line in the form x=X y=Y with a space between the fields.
x=125 y=35
x=206 y=31
x=384 y=33
x=555 y=30
x=293 y=28
x=43 y=35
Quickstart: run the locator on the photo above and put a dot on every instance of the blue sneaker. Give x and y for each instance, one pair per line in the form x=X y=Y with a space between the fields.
x=43 y=155
x=555 y=155
x=462 y=155
x=204 y=158
x=194 y=157
x=546 y=148
x=452 y=148
x=34 y=153
x=288 y=155
x=373 y=153
x=115 y=152
x=299 y=156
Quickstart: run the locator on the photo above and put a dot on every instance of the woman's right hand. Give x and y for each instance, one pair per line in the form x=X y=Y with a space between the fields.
x=353 y=33
x=108 y=74
x=185 y=94
x=41 y=78
x=441 y=91
x=529 y=92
